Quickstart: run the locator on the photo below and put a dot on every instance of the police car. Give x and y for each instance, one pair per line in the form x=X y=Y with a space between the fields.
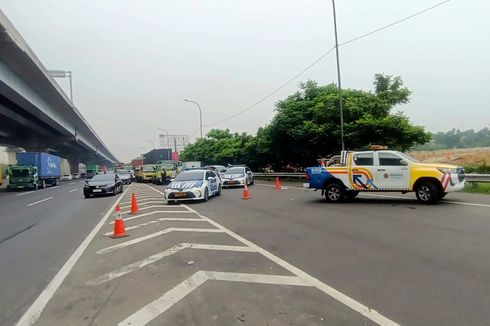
x=195 y=184
x=238 y=176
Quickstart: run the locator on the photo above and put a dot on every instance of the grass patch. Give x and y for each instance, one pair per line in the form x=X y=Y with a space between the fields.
x=477 y=187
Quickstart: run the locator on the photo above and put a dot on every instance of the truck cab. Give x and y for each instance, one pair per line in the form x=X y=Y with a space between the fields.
x=23 y=177
x=380 y=169
x=147 y=173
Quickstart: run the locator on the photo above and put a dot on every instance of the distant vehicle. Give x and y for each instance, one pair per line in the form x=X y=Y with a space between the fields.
x=91 y=170
x=166 y=170
x=380 y=169
x=220 y=169
x=75 y=176
x=193 y=185
x=191 y=164
x=66 y=177
x=147 y=173
x=34 y=170
x=103 y=184
x=238 y=176
x=125 y=176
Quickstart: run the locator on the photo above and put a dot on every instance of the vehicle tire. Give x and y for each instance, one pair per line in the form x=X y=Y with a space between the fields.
x=334 y=193
x=206 y=195
x=252 y=182
x=427 y=192
x=57 y=182
x=443 y=195
x=219 y=191
x=351 y=194
x=171 y=202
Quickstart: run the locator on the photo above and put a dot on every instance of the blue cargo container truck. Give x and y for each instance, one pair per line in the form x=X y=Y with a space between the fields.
x=35 y=170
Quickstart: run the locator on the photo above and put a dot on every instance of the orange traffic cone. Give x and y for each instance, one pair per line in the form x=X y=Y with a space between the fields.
x=134 y=204
x=278 y=184
x=119 y=229
x=246 y=194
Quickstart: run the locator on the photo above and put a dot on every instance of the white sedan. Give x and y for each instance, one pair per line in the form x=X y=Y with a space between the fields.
x=197 y=184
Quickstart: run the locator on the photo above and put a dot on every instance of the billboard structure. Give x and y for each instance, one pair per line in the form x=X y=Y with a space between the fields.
x=175 y=142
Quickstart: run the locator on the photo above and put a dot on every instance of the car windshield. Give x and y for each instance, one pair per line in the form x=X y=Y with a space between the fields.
x=123 y=174
x=148 y=169
x=20 y=173
x=408 y=157
x=190 y=175
x=167 y=166
x=103 y=177
x=235 y=170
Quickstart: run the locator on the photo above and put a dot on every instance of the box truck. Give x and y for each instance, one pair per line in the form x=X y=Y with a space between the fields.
x=34 y=170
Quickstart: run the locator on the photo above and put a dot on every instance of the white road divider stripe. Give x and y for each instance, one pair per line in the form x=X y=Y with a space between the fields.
x=32 y=314
x=141 y=200
x=160 y=305
x=39 y=201
x=148 y=207
x=152 y=213
x=73 y=190
x=141 y=203
x=25 y=193
x=154 y=258
x=163 y=219
x=151 y=236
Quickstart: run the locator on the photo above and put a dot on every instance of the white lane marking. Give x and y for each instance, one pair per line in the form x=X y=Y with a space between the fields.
x=32 y=314
x=163 y=219
x=152 y=213
x=141 y=200
x=145 y=203
x=154 y=258
x=153 y=235
x=72 y=183
x=391 y=196
x=40 y=201
x=52 y=187
x=442 y=201
x=25 y=193
x=160 y=305
x=148 y=207
x=73 y=190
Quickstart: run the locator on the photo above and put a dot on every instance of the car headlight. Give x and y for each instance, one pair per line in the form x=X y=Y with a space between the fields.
x=447 y=170
x=109 y=186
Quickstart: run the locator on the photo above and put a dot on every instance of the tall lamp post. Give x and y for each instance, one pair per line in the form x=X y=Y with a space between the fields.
x=200 y=113
x=338 y=77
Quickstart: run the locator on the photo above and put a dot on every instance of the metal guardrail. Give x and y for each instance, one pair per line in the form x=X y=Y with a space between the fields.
x=301 y=175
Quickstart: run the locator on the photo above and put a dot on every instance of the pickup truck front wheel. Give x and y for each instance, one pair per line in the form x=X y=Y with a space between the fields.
x=427 y=192
x=334 y=193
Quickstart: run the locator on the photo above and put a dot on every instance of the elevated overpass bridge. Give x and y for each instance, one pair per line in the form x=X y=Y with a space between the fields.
x=35 y=113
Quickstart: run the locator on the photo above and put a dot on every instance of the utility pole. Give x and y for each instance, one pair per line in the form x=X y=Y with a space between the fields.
x=338 y=77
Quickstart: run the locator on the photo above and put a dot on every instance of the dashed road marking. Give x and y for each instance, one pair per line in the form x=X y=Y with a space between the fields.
x=160 y=305
x=73 y=190
x=32 y=314
x=153 y=235
x=25 y=193
x=154 y=258
x=39 y=201
x=72 y=183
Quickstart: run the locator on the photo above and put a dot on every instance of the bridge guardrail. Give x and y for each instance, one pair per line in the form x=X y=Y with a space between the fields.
x=472 y=177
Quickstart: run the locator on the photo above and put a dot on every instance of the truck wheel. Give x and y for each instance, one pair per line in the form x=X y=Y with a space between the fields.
x=427 y=192
x=351 y=194
x=57 y=182
x=43 y=185
x=334 y=193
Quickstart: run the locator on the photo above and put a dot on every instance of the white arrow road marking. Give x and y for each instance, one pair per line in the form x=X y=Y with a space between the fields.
x=162 y=304
x=39 y=201
x=152 y=213
x=163 y=219
x=153 y=235
x=154 y=258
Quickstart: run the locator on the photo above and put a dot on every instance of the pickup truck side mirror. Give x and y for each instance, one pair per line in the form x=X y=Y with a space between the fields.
x=404 y=163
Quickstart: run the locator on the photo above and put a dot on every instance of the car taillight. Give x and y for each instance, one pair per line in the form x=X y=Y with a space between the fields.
x=307 y=176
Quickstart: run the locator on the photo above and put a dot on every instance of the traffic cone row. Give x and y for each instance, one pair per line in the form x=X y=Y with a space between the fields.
x=134 y=204
x=119 y=229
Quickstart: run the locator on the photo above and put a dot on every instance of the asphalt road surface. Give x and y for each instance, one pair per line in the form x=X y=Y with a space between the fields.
x=282 y=257
x=39 y=230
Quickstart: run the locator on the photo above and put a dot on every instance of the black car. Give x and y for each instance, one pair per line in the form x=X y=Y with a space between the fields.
x=125 y=177
x=103 y=184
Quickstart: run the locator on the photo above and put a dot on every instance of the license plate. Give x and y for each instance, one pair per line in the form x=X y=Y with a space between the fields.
x=180 y=194
x=306 y=185
x=97 y=190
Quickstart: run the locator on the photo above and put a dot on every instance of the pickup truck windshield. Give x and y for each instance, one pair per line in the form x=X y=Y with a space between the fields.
x=148 y=169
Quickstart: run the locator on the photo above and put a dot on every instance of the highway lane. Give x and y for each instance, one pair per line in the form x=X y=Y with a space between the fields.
x=415 y=264
x=36 y=240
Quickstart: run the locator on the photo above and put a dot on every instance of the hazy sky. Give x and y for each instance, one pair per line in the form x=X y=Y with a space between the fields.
x=135 y=61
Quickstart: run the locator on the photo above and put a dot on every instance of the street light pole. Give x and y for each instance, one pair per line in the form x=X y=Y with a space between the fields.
x=338 y=77
x=200 y=113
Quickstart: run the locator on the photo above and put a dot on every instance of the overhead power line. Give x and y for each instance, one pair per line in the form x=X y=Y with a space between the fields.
x=322 y=57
